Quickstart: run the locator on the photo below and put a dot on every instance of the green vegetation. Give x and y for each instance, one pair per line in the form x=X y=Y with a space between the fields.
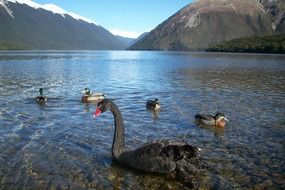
x=267 y=44
x=12 y=46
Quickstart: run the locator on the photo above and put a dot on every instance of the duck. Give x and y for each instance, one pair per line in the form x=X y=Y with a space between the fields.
x=41 y=99
x=175 y=159
x=153 y=105
x=92 y=97
x=219 y=120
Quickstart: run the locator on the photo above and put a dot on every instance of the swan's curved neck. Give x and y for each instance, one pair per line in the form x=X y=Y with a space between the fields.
x=119 y=135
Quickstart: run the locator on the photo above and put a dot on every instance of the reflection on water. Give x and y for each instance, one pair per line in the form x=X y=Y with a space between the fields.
x=60 y=145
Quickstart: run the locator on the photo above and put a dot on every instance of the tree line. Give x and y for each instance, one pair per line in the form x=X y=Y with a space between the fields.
x=267 y=44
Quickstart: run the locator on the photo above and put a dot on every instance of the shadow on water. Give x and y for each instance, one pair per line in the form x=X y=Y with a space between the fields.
x=155 y=114
x=219 y=131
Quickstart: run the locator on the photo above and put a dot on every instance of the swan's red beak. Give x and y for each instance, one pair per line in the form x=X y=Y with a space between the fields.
x=97 y=112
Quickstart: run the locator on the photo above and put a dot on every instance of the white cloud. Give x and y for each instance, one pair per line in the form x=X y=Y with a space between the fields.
x=124 y=33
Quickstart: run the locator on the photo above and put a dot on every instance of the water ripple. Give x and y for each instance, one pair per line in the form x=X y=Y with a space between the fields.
x=59 y=144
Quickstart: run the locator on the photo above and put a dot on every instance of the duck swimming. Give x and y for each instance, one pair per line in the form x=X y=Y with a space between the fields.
x=175 y=159
x=153 y=105
x=219 y=120
x=41 y=99
x=89 y=97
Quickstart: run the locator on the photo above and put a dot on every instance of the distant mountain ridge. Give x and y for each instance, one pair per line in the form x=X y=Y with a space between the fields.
x=126 y=41
x=33 y=26
x=206 y=23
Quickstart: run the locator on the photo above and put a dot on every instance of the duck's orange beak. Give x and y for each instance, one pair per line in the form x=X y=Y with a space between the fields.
x=97 y=112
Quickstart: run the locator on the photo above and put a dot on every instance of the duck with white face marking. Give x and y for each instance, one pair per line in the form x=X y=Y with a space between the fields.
x=153 y=105
x=92 y=97
x=41 y=99
x=219 y=120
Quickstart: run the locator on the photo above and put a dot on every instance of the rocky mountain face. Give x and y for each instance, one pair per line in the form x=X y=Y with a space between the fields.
x=276 y=10
x=206 y=23
x=26 y=27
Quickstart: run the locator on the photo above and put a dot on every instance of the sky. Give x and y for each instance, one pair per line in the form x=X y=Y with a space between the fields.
x=128 y=18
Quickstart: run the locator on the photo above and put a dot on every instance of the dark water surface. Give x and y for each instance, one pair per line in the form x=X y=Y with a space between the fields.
x=60 y=146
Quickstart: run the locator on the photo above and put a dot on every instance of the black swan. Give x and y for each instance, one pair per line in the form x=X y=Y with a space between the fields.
x=177 y=160
x=153 y=105
x=219 y=120
x=91 y=97
x=41 y=98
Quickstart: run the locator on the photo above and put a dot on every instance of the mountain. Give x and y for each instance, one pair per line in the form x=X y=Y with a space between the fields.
x=130 y=41
x=126 y=41
x=140 y=37
x=276 y=11
x=28 y=25
x=205 y=23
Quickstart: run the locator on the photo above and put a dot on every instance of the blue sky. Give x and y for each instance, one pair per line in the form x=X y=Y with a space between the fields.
x=132 y=16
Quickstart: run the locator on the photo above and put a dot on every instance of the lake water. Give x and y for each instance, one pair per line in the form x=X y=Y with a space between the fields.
x=60 y=146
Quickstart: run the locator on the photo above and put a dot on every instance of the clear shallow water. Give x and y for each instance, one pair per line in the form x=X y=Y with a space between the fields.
x=60 y=145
